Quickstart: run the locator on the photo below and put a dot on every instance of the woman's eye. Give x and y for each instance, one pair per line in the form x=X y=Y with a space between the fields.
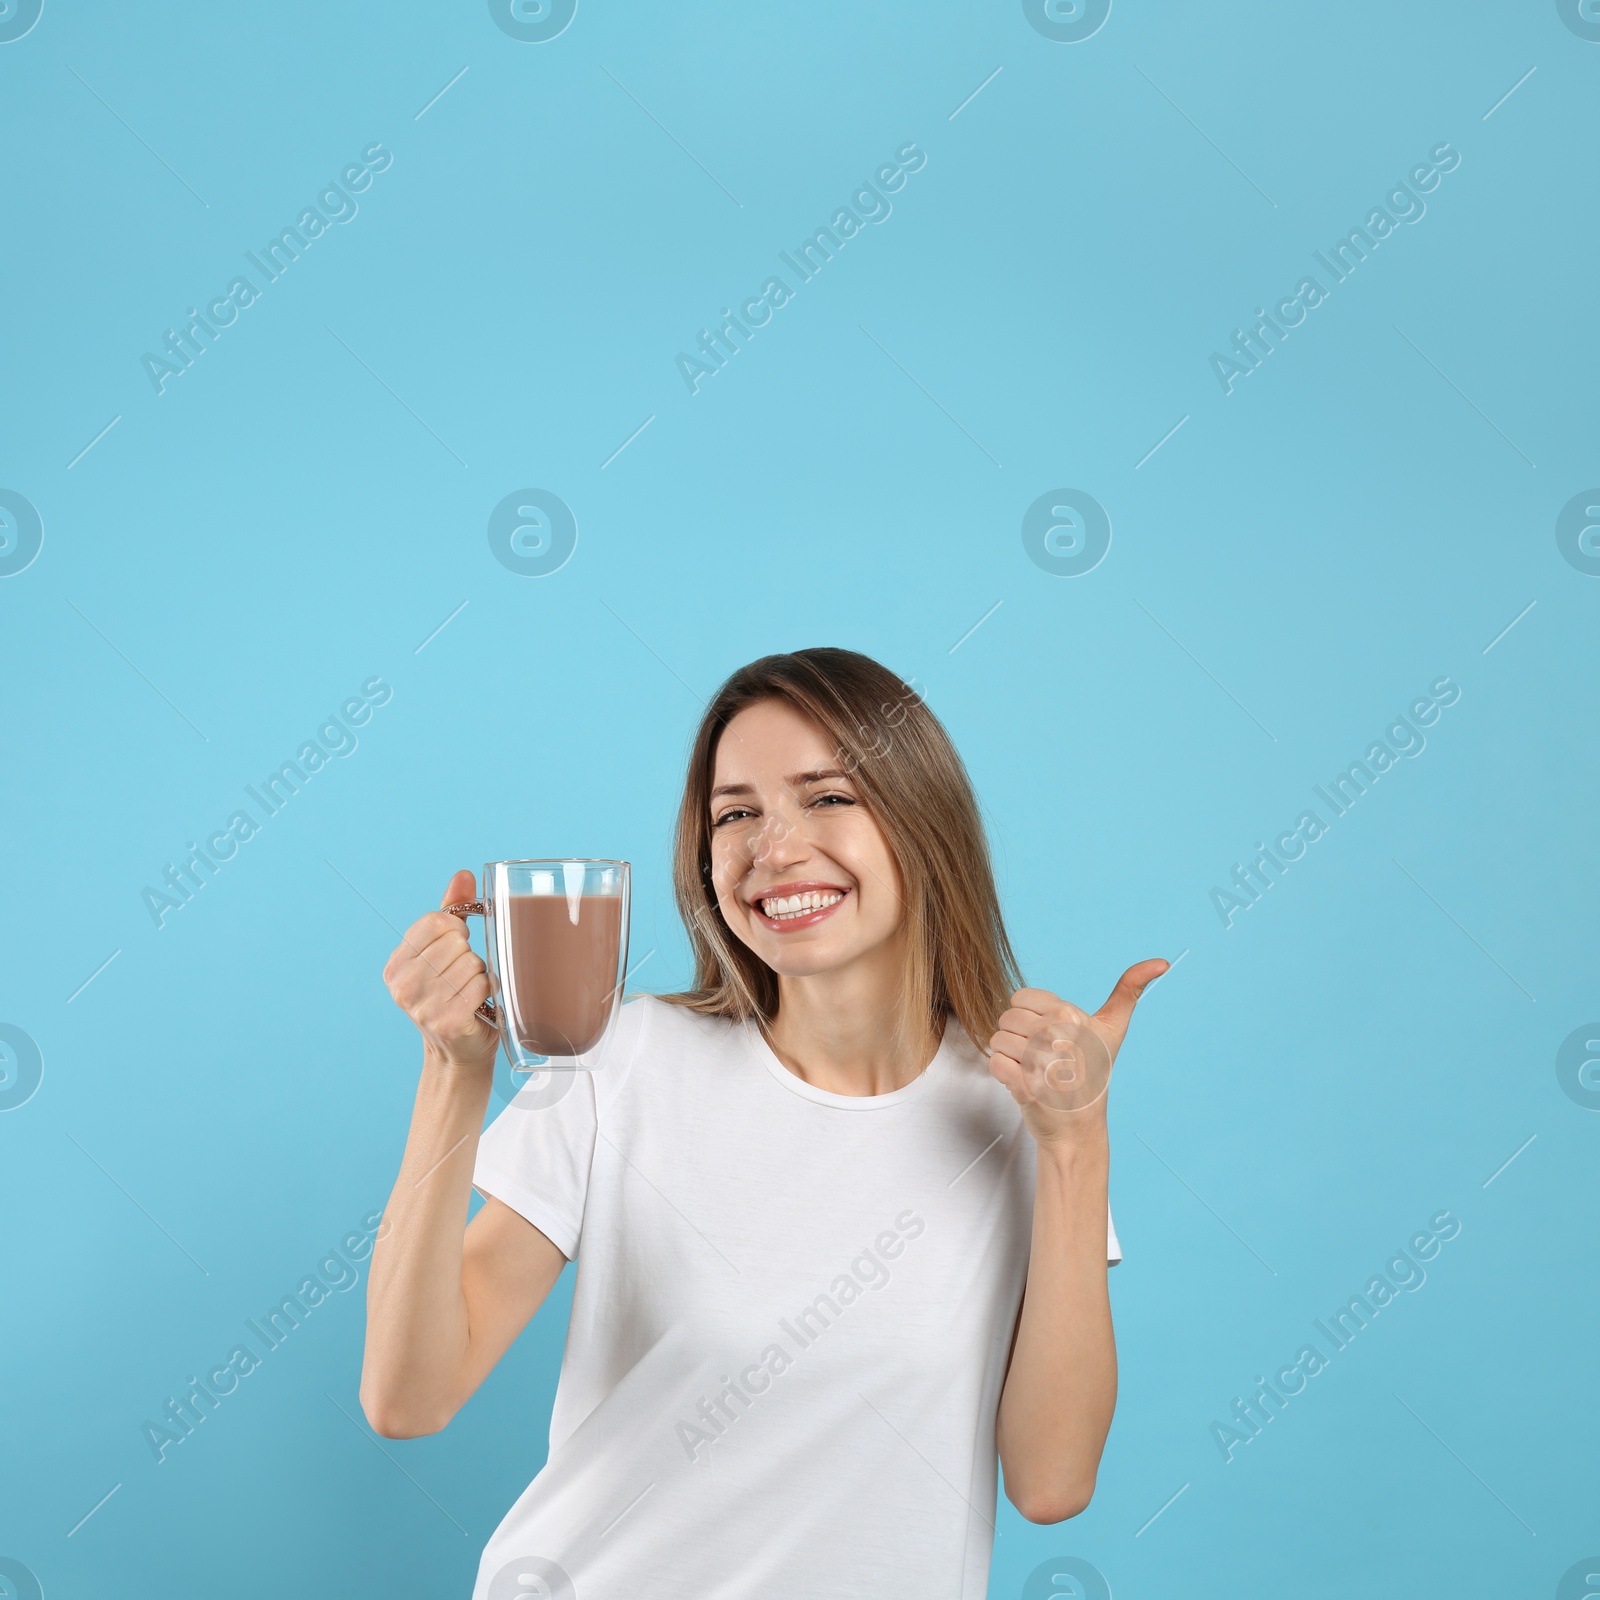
x=731 y=816
x=837 y=799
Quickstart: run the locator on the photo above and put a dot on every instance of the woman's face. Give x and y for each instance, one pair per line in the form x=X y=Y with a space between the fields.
x=802 y=872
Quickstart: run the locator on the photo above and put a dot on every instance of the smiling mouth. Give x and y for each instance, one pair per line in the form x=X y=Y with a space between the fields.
x=798 y=910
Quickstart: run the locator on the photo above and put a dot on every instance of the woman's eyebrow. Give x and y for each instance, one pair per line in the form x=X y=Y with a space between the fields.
x=797 y=780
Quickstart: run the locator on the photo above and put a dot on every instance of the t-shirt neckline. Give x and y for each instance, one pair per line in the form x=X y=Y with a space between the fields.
x=844 y=1102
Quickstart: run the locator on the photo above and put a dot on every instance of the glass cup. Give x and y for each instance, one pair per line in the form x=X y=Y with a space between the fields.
x=557 y=937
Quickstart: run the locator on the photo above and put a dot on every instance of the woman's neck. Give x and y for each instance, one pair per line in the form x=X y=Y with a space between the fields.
x=836 y=1030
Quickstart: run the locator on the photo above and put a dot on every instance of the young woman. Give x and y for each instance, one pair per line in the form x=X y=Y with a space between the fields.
x=833 y=1256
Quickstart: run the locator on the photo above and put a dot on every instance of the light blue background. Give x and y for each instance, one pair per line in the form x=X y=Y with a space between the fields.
x=1299 y=561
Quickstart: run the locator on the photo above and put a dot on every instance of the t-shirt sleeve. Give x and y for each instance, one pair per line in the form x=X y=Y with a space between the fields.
x=536 y=1154
x=1113 y=1248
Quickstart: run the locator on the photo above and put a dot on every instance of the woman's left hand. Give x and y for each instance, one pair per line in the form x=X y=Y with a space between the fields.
x=1056 y=1060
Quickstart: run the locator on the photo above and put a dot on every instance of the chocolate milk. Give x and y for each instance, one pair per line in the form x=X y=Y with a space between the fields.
x=558 y=971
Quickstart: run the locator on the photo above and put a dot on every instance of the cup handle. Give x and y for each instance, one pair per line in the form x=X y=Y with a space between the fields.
x=477 y=908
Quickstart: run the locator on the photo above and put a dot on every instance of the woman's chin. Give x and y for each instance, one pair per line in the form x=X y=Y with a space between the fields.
x=802 y=964
x=796 y=957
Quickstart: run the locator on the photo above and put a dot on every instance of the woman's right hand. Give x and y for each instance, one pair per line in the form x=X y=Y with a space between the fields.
x=438 y=981
x=443 y=1303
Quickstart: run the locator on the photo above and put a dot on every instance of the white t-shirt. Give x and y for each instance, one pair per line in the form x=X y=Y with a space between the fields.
x=790 y=1325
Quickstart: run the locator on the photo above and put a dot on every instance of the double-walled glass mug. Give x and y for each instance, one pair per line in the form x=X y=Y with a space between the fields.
x=557 y=937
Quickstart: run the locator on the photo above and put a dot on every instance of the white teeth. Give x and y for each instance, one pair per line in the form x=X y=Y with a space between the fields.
x=785 y=907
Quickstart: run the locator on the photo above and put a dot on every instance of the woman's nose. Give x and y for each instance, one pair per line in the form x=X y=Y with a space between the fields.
x=777 y=842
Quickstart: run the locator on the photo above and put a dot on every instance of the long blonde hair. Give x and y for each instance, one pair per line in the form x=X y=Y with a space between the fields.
x=913 y=782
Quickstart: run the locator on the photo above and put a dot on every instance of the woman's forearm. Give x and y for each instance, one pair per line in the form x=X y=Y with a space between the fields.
x=417 y=1325
x=1061 y=1389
